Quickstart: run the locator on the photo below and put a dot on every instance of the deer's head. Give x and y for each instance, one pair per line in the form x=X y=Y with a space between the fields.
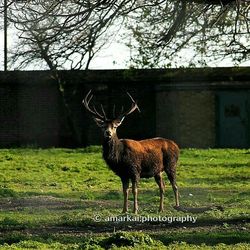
x=107 y=125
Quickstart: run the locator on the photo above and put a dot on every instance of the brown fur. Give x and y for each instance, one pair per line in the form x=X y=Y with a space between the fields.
x=132 y=160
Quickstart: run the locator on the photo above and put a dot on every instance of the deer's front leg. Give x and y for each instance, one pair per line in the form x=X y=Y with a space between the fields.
x=135 y=193
x=125 y=187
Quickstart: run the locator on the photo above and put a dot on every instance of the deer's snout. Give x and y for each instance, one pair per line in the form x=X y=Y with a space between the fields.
x=107 y=133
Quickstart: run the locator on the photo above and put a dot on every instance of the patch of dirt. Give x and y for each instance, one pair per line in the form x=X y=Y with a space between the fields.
x=50 y=203
x=196 y=210
x=233 y=225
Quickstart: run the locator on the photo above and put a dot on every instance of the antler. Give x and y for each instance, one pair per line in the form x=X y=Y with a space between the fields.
x=103 y=117
x=93 y=111
x=132 y=109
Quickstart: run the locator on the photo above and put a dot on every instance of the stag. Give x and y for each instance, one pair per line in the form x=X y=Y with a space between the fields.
x=131 y=159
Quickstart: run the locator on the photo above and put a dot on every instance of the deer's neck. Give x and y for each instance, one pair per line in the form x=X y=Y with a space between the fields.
x=112 y=149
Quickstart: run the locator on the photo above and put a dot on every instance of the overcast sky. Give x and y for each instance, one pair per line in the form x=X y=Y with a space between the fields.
x=112 y=56
x=115 y=56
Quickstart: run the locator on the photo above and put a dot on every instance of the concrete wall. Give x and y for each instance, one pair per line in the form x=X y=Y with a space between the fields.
x=177 y=104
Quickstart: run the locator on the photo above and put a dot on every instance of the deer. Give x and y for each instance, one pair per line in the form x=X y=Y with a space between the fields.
x=132 y=160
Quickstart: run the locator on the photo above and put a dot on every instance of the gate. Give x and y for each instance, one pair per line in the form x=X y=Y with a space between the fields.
x=234 y=119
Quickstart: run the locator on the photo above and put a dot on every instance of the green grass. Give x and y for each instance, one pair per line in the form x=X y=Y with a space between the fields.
x=50 y=197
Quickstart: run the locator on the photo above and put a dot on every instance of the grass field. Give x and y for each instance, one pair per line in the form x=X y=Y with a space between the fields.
x=51 y=199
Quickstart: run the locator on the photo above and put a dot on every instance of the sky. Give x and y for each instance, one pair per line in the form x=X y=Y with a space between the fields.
x=112 y=56
x=115 y=56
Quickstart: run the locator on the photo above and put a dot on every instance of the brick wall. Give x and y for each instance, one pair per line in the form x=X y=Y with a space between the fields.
x=32 y=112
x=9 y=116
x=188 y=117
x=176 y=104
x=38 y=115
x=198 y=116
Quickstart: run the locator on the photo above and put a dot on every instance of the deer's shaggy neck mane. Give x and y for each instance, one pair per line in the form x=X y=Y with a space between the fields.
x=112 y=149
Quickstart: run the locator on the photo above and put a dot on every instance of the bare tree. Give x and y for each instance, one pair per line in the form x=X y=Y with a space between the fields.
x=212 y=30
x=63 y=35
x=67 y=34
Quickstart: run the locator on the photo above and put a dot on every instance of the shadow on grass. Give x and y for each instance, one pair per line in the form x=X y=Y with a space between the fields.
x=209 y=238
x=105 y=240
x=125 y=222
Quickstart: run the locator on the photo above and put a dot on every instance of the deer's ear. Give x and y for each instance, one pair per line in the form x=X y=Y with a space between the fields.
x=119 y=121
x=99 y=122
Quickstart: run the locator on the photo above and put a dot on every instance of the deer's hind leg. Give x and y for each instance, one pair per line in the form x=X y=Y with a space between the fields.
x=135 y=181
x=171 y=173
x=161 y=184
